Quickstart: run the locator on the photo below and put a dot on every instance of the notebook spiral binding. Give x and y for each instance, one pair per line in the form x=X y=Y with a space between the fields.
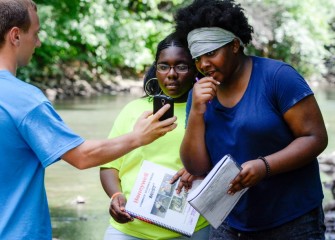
x=144 y=219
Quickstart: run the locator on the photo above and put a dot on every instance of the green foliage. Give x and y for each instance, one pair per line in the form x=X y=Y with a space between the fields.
x=105 y=35
x=295 y=31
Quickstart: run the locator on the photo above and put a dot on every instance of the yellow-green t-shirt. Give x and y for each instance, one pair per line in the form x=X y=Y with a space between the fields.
x=164 y=151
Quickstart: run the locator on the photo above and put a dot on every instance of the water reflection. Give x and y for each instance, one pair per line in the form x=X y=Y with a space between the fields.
x=326 y=101
x=330 y=94
x=91 y=118
x=71 y=224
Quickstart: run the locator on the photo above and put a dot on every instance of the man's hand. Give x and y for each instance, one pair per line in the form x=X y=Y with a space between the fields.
x=149 y=128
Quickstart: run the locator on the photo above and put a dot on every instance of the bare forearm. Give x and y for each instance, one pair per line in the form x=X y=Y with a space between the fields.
x=97 y=152
x=110 y=181
x=299 y=153
x=306 y=123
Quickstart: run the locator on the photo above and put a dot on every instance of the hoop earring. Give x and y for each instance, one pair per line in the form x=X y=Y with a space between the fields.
x=152 y=86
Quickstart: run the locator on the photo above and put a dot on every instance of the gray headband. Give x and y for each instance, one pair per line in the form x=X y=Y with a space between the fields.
x=204 y=40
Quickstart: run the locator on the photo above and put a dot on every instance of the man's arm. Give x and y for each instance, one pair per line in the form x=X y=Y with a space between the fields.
x=97 y=152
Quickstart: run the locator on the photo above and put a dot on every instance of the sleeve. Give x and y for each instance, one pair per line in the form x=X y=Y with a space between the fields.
x=188 y=106
x=289 y=88
x=47 y=134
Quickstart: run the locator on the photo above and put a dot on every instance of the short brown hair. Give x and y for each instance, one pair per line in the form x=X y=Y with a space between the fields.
x=14 y=13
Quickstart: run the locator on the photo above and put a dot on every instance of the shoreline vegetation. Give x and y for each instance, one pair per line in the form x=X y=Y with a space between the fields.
x=92 y=47
x=86 y=83
x=81 y=88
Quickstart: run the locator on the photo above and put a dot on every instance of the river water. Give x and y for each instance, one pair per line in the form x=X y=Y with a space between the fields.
x=66 y=186
x=92 y=119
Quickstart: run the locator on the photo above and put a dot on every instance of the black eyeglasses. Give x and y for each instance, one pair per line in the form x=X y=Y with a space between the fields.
x=164 y=68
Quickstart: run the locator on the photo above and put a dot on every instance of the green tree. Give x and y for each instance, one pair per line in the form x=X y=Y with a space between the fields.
x=100 y=35
x=295 y=31
x=97 y=37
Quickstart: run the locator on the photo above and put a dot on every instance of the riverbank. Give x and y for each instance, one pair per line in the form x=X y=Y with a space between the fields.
x=327 y=169
x=111 y=85
x=78 y=81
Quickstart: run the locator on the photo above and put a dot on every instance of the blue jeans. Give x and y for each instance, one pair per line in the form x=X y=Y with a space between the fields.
x=307 y=227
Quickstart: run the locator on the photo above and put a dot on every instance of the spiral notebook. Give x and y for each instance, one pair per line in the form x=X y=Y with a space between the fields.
x=154 y=200
x=210 y=198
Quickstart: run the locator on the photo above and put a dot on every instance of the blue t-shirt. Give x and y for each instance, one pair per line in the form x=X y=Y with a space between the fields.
x=255 y=127
x=32 y=136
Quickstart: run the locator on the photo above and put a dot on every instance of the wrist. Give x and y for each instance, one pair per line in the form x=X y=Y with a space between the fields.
x=267 y=166
x=198 y=111
x=135 y=140
x=114 y=196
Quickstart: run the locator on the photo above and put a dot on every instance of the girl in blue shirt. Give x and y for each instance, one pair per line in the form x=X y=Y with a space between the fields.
x=263 y=113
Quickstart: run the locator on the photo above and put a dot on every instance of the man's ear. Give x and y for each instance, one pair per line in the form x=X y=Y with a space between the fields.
x=14 y=36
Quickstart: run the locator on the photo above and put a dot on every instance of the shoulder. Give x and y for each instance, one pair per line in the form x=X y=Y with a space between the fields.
x=281 y=83
x=18 y=97
x=12 y=86
x=131 y=112
x=271 y=70
x=137 y=106
x=140 y=102
x=268 y=63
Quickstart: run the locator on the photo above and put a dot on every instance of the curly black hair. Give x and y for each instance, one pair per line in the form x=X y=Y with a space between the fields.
x=224 y=14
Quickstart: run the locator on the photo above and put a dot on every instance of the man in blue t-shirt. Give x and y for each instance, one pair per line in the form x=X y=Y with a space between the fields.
x=33 y=136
